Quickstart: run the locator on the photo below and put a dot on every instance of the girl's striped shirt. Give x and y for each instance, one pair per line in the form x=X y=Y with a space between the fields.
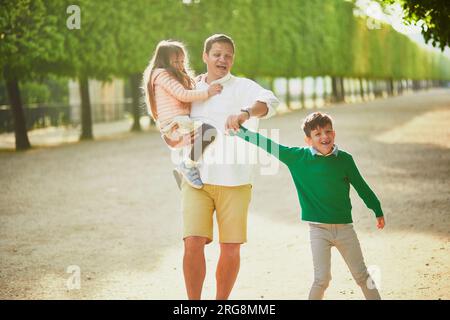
x=172 y=99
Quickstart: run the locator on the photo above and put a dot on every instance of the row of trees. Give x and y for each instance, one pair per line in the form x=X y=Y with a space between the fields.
x=284 y=38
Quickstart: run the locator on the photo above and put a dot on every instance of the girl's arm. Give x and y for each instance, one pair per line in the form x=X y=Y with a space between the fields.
x=176 y=89
x=281 y=152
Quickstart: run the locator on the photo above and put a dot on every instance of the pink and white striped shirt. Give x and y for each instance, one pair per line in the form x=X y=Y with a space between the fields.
x=172 y=99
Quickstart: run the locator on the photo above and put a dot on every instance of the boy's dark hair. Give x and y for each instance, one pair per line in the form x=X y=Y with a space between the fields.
x=217 y=38
x=316 y=120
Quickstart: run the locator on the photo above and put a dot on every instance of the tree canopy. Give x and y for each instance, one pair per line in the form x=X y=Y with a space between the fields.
x=434 y=13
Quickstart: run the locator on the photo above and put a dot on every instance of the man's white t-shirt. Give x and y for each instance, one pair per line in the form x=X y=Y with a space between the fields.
x=230 y=161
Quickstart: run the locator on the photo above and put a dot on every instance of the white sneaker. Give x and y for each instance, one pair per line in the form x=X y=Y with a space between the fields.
x=191 y=175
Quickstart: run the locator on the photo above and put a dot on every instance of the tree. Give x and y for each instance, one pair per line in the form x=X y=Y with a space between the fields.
x=434 y=13
x=90 y=52
x=141 y=26
x=285 y=38
x=29 y=41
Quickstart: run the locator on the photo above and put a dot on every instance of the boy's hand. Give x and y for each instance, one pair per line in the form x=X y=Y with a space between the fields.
x=234 y=122
x=380 y=222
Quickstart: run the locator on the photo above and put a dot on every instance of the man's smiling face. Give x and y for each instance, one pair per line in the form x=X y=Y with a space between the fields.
x=219 y=60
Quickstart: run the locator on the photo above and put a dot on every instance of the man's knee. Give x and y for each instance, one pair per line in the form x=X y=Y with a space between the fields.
x=194 y=244
x=230 y=249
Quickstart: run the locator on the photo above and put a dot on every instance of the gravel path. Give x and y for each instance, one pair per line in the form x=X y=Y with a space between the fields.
x=111 y=209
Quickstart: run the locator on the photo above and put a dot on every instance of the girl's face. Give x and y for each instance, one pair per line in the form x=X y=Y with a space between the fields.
x=177 y=61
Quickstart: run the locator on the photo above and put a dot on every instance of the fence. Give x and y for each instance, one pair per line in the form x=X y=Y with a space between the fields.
x=41 y=116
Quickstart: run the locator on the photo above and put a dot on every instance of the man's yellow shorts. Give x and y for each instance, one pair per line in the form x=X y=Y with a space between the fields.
x=231 y=206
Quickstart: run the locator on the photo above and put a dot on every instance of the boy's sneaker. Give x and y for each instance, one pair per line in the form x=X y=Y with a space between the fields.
x=191 y=175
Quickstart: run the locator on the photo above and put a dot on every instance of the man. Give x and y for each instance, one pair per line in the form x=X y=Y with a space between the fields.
x=227 y=181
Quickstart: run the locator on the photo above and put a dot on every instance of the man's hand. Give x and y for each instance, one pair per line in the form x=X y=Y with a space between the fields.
x=234 y=121
x=380 y=222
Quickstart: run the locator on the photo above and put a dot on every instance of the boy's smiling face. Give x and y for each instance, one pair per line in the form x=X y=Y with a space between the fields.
x=322 y=139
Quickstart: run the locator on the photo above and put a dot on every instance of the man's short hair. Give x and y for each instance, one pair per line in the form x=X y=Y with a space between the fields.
x=316 y=120
x=217 y=38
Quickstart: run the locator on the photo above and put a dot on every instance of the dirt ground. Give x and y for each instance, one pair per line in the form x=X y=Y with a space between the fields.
x=111 y=209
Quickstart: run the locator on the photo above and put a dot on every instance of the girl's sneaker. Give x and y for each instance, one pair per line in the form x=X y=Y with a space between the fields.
x=191 y=175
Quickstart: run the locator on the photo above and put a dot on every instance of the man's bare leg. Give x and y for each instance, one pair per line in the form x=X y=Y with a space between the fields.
x=194 y=266
x=227 y=269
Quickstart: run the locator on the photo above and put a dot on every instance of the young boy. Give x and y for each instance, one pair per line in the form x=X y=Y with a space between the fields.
x=322 y=175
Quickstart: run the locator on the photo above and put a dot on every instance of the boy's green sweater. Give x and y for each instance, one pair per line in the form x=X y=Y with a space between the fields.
x=322 y=182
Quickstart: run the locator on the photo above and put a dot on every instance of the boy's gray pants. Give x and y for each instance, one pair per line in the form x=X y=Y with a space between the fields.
x=343 y=237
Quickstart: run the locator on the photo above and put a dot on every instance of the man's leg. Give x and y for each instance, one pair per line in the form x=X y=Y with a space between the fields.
x=348 y=245
x=194 y=266
x=321 y=254
x=227 y=269
x=198 y=208
x=232 y=211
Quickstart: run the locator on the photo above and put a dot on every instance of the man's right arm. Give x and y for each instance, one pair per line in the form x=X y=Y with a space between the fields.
x=281 y=152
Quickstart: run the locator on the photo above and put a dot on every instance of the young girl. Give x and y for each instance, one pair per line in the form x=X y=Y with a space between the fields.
x=169 y=91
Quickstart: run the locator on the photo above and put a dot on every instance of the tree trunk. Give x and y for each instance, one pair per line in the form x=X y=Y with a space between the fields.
x=86 y=113
x=314 y=95
x=391 y=86
x=272 y=84
x=302 y=93
x=325 y=93
x=361 y=89
x=288 y=94
x=376 y=88
x=341 y=89
x=368 y=92
x=334 y=90
x=20 y=127
x=135 y=80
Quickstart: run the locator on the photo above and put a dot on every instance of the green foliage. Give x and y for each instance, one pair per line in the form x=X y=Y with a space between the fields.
x=283 y=38
x=434 y=13
x=33 y=93
x=51 y=90
x=29 y=38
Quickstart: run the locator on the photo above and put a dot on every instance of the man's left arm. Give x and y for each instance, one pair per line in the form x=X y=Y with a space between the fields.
x=262 y=105
x=258 y=109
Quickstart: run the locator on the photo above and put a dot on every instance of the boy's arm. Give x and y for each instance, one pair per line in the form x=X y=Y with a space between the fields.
x=283 y=153
x=176 y=89
x=363 y=189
